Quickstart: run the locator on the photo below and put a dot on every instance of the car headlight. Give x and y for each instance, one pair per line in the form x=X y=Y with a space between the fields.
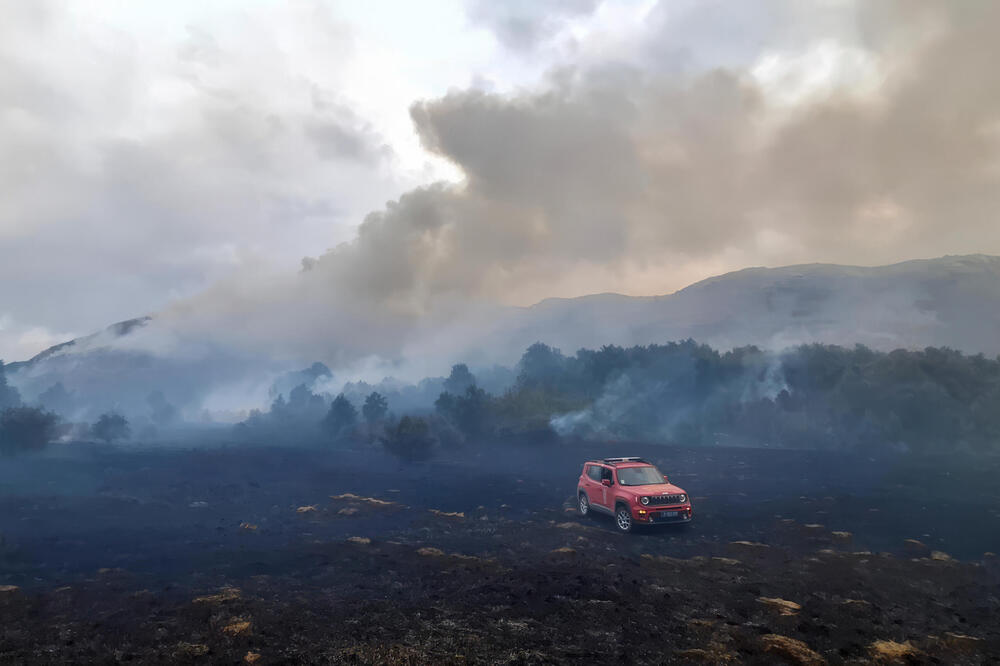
x=684 y=498
x=644 y=499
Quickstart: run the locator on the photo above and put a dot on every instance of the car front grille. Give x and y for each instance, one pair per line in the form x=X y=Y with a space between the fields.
x=661 y=500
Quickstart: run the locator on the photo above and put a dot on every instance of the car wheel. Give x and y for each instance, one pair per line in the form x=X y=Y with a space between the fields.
x=583 y=505
x=623 y=519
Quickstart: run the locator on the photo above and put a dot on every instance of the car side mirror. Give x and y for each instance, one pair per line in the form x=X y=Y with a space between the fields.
x=606 y=482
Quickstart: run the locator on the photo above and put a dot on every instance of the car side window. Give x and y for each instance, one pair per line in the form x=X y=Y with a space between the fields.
x=594 y=472
x=606 y=474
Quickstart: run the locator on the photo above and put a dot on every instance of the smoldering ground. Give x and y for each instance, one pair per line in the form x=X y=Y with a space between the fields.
x=174 y=554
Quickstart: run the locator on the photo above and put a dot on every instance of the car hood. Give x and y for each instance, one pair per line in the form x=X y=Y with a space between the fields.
x=657 y=489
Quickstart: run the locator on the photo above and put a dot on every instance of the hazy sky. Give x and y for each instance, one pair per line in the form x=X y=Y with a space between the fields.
x=425 y=157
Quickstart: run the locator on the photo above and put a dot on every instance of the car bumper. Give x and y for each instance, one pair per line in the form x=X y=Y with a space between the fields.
x=670 y=515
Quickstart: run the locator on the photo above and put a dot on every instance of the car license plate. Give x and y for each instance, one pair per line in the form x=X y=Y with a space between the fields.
x=668 y=514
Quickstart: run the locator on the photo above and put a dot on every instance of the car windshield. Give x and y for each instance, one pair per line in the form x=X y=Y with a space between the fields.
x=639 y=476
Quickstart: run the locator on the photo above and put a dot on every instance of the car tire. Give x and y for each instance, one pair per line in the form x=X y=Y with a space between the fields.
x=583 y=505
x=623 y=519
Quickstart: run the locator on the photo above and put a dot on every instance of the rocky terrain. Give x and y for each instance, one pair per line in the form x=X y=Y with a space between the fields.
x=285 y=555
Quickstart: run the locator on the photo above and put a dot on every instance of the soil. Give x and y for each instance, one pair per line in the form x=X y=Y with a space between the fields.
x=285 y=555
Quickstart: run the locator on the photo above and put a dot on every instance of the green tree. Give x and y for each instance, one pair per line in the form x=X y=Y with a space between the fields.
x=459 y=380
x=110 y=427
x=279 y=409
x=375 y=408
x=341 y=418
x=541 y=366
x=470 y=412
x=410 y=439
x=26 y=429
x=303 y=404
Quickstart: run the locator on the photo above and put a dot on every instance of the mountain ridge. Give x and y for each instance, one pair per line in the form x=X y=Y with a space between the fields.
x=951 y=301
x=915 y=303
x=125 y=327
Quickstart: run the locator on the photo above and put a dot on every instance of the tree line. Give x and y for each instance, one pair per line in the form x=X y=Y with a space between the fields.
x=685 y=393
x=31 y=428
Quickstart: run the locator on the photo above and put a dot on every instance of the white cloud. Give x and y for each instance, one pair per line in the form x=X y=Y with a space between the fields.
x=150 y=151
x=19 y=341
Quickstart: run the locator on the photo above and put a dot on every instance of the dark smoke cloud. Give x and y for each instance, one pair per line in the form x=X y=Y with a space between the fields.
x=619 y=169
x=641 y=179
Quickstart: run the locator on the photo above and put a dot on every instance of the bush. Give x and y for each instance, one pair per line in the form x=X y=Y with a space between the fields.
x=110 y=427
x=26 y=429
x=410 y=439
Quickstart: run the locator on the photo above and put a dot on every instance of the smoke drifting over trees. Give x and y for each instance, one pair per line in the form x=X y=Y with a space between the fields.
x=809 y=397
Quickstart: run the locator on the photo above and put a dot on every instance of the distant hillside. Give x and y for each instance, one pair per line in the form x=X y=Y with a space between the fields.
x=947 y=302
x=951 y=302
x=86 y=343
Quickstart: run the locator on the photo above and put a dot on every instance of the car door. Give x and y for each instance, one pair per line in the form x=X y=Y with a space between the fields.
x=605 y=494
x=587 y=482
x=592 y=484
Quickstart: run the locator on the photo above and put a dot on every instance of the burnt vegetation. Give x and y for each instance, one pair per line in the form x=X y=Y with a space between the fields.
x=315 y=556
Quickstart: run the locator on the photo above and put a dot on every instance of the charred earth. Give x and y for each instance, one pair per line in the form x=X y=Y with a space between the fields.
x=278 y=555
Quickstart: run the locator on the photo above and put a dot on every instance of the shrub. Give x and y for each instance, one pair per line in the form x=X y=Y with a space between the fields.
x=110 y=427
x=26 y=429
x=410 y=439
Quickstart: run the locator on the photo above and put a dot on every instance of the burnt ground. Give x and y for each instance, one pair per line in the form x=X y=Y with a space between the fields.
x=284 y=555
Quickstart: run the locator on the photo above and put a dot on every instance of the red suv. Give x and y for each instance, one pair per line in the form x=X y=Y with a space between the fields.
x=633 y=491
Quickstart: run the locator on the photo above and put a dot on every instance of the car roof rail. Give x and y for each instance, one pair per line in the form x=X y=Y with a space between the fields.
x=612 y=461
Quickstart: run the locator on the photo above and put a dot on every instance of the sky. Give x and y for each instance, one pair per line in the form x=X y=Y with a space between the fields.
x=336 y=176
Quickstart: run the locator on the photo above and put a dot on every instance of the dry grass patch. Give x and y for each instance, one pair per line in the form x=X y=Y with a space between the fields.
x=225 y=594
x=889 y=651
x=783 y=606
x=791 y=650
x=457 y=515
x=374 y=501
x=236 y=627
x=428 y=551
